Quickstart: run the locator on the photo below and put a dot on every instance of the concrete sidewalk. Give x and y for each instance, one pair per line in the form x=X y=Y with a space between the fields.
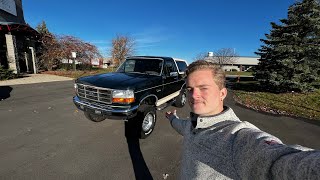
x=34 y=78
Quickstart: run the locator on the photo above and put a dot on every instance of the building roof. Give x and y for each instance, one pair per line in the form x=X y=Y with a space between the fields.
x=241 y=60
x=18 y=28
x=11 y=11
x=247 y=61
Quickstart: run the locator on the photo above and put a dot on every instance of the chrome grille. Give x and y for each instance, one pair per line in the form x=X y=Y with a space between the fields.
x=96 y=94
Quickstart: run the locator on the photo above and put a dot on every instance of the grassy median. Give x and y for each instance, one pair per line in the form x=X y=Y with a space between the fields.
x=305 y=105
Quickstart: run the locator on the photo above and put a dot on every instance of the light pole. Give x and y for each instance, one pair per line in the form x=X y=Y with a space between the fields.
x=74 y=55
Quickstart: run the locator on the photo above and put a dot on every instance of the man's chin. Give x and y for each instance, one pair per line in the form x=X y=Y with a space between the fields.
x=197 y=111
x=197 y=108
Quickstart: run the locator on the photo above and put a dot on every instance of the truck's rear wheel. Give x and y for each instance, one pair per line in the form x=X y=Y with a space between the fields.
x=143 y=124
x=94 y=117
x=181 y=99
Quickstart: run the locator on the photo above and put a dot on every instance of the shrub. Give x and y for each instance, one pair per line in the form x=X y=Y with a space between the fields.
x=6 y=74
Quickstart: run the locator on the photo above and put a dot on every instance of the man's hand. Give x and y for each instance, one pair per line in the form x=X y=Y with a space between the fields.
x=171 y=115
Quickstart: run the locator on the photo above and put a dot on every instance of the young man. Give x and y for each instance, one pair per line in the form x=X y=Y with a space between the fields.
x=217 y=145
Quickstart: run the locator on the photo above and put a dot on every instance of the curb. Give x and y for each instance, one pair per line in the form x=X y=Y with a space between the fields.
x=34 y=78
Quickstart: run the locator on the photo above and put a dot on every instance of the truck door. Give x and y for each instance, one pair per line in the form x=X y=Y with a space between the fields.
x=170 y=78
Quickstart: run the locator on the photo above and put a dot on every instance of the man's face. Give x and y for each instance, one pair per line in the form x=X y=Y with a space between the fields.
x=205 y=97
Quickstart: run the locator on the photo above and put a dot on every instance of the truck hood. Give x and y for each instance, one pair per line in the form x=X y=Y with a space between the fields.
x=116 y=80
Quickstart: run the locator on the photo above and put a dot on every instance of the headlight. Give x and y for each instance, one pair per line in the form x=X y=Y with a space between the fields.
x=122 y=96
x=75 y=88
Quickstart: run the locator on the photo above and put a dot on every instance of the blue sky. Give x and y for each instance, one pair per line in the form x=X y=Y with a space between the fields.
x=175 y=28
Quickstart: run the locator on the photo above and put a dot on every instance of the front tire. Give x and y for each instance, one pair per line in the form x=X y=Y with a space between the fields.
x=94 y=117
x=143 y=124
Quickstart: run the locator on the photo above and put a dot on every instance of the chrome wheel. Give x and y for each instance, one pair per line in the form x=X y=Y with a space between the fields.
x=183 y=99
x=148 y=122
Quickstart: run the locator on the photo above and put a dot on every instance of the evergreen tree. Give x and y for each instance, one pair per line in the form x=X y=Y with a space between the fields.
x=291 y=52
x=42 y=28
x=49 y=50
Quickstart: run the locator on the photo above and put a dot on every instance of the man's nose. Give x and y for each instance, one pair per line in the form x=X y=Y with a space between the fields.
x=194 y=93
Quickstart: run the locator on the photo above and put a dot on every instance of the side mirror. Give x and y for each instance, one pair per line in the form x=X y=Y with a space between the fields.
x=173 y=74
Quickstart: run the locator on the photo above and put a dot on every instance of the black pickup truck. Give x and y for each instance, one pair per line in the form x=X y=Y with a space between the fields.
x=140 y=86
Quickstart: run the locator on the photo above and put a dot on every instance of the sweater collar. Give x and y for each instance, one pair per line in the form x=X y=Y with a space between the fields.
x=206 y=121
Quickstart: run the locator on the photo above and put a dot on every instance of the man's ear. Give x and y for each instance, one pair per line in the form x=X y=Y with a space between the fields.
x=223 y=93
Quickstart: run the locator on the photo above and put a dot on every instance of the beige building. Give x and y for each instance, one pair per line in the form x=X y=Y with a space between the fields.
x=239 y=63
x=242 y=64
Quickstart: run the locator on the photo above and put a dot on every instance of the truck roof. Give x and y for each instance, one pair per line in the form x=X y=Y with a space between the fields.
x=160 y=57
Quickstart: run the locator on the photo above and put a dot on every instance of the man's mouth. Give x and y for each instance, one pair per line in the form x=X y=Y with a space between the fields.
x=196 y=102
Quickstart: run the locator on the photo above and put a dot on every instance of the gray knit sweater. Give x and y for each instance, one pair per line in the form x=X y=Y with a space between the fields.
x=223 y=147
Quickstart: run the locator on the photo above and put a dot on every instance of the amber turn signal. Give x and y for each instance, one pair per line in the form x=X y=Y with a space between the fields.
x=123 y=100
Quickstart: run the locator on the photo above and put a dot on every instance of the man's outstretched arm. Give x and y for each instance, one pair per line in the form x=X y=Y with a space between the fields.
x=259 y=155
x=178 y=124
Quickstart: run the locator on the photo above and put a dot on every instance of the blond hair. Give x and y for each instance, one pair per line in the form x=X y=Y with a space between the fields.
x=218 y=74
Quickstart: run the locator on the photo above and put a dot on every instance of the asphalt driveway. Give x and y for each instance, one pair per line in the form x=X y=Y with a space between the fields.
x=43 y=136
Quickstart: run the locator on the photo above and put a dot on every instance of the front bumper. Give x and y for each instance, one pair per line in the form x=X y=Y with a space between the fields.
x=111 y=112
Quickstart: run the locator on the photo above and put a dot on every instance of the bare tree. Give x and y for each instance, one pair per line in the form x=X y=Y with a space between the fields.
x=122 y=46
x=200 y=56
x=54 y=48
x=85 y=51
x=225 y=56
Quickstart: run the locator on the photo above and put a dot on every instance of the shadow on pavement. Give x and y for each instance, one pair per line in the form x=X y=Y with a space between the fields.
x=5 y=92
x=141 y=170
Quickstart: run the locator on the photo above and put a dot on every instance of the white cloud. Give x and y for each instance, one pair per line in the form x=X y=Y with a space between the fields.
x=151 y=37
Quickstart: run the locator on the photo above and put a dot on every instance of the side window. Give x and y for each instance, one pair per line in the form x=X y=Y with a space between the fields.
x=169 y=67
x=182 y=66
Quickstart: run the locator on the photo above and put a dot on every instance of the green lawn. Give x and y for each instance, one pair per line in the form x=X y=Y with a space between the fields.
x=78 y=73
x=242 y=73
x=306 y=105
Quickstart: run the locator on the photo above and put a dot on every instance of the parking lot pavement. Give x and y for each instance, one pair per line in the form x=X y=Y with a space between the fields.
x=34 y=78
x=44 y=136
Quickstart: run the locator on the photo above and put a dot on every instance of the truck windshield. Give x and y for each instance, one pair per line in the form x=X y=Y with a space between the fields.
x=147 y=66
